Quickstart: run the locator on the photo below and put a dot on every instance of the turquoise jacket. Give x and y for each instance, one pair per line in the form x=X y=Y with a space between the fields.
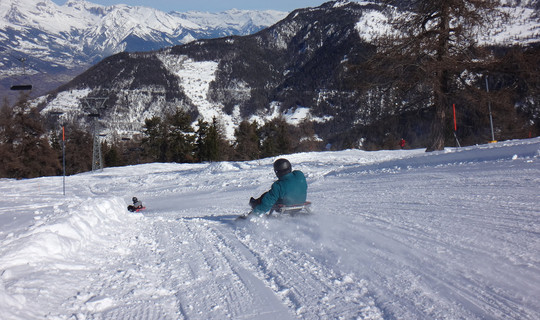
x=289 y=189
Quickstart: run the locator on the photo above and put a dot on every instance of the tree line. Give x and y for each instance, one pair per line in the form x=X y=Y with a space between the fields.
x=29 y=149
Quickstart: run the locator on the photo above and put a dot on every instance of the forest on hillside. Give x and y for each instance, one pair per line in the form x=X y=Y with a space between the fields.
x=31 y=149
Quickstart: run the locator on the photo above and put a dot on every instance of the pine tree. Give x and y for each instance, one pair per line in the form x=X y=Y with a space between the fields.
x=247 y=141
x=171 y=140
x=112 y=155
x=433 y=44
x=201 y=148
x=180 y=137
x=211 y=144
x=276 y=138
x=79 y=148
x=155 y=140
x=214 y=142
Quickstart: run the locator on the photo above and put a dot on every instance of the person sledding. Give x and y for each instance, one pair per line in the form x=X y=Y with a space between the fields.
x=136 y=206
x=289 y=190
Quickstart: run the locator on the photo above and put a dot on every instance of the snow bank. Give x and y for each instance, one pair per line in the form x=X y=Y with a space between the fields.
x=74 y=227
x=66 y=239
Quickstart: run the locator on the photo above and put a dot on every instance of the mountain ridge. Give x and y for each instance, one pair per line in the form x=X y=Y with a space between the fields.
x=58 y=42
x=282 y=54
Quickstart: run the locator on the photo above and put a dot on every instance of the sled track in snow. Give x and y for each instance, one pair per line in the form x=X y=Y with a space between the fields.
x=304 y=285
x=187 y=270
x=230 y=287
x=194 y=268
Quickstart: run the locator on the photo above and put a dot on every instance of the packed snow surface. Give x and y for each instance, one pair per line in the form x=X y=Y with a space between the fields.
x=394 y=235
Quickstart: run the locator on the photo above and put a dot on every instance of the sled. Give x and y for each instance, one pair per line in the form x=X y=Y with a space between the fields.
x=283 y=209
x=136 y=210
x=293 y=208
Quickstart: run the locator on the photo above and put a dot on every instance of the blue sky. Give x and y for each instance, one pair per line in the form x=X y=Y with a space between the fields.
x=212 y=5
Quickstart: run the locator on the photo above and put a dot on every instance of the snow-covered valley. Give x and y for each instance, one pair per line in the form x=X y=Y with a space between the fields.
x=394 y=235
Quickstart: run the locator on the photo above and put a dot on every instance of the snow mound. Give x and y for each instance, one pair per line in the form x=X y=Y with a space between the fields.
x=72 y=228
x=220 y=167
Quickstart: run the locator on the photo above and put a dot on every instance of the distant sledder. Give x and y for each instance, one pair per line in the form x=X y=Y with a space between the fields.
x=136 y=206
x=287 y=195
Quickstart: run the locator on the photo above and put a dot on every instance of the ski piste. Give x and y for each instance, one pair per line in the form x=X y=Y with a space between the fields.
x=282 y=209
x=444 y=235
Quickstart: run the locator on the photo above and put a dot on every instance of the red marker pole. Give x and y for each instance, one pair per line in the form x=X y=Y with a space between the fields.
x=455 y=122
x=455 y=125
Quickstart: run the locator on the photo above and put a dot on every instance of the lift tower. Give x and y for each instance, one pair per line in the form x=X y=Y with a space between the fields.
x=94 y=106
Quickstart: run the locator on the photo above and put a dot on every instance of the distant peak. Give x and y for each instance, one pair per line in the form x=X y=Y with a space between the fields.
x=81 y=4
x=335 y=4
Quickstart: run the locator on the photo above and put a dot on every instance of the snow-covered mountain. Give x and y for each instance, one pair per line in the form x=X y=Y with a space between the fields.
x=231 y=78
x=60 y=41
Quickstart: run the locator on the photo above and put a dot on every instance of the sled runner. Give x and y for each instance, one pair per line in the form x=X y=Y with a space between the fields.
x=294 y=208
x=282 y=209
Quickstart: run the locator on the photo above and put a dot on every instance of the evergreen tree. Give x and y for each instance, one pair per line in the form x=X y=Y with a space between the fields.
x=171 y=140
x=180 y=137
x=276 y=138
x=201 y=152
x=155 y=140
x=247 y=145
x=79 y=148
x=214 y=142
x=211 y=146
x=112 y=156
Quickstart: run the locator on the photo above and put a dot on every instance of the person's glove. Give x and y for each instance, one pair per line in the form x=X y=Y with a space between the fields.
x=253 y=203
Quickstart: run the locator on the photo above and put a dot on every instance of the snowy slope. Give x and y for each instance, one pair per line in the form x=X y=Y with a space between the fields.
x=395 y=235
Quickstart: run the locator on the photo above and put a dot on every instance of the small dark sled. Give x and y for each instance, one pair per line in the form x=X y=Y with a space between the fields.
x=133 y=209
x=291 y=209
